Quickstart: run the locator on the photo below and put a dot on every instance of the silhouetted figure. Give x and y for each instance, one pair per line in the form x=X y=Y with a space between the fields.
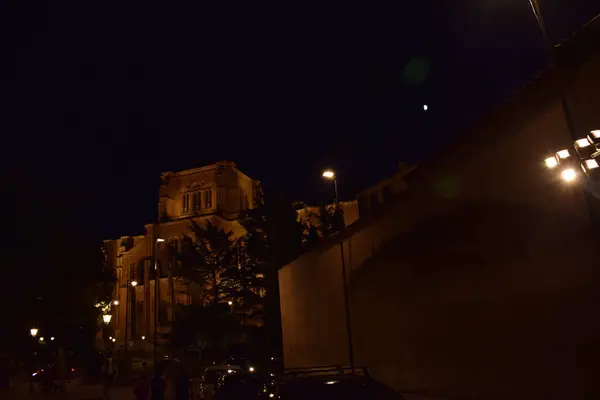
x=157 y=386
x=141 y=389
x=182 y=385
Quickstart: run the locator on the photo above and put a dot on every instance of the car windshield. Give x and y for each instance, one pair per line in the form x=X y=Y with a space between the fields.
x=212 y=376
x=335 y=388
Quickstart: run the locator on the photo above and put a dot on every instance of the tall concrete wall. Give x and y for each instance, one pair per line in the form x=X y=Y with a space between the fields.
x=481 y=280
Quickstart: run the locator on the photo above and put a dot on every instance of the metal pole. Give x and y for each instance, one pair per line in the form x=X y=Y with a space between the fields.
x=156 y=293
x=345 y=287
x=537 y=12
x=126 y=316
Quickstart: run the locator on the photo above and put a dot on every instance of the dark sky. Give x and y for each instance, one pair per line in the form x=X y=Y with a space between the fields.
x=99 y=99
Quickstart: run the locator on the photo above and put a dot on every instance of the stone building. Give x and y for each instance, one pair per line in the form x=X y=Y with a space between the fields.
x=218 y=193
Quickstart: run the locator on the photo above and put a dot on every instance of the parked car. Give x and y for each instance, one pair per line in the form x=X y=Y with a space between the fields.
x=324 y=383
x=246 y=386
x=211 y=376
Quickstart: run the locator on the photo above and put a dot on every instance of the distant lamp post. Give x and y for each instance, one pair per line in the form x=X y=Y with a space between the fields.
x=330 y=174
x=42 y=339
x=52 y=338
x=143 y=337
x=33 y=332
x=114 y=340
x=134 y=283
x=156 y=297
x=106 y=318
x=116 y=302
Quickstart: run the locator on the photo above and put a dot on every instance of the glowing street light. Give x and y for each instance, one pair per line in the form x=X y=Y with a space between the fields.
x=551 y=162
x=230 y=302
x=52 y=338
x=143 y=337
x=33 y=332
x=116 y=302
x=160 y=240
x=568 y=175
x=328 y=174
x=425 y=107
x=134 y=283
x=106 y=318
x=114 y=340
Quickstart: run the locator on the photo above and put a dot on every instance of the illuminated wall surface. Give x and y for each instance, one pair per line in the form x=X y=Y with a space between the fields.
x=481 y=279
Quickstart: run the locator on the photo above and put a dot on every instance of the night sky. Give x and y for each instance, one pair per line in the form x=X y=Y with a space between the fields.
x=99 y=99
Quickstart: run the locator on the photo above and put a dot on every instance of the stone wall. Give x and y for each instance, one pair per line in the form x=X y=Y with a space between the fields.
x=480 y=280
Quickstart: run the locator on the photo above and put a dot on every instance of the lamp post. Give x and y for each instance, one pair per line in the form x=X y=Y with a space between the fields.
x=548 y=45
x=156 y=295
x=33 y=332
x=133 y=284
x=330 y=174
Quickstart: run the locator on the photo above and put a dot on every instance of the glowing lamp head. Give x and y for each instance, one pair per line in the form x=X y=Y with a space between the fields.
x=116 y=302
x=160 y=240
x=33 y=332
x=106 y=318
x=251 y=369
x=595 y=134
x=328 y=174
x=52 y=338
x=563 y=154
x=143 y=337
x=134 y=283
x=581 y=143
x=230 y=303
x=114 y=340
x=551 y=162
x=568 y=175
x=591 y=164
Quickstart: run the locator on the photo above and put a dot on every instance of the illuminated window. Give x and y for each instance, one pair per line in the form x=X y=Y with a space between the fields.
x=185 y=202
x=208 y=199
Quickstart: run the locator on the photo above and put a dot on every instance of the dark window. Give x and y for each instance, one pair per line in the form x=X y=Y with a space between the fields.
x=386 y=193
x=193 y=201
x=373 y=201
x=163 y=315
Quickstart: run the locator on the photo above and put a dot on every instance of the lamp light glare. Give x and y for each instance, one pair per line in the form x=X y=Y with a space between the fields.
x=116 y=302
x=33 y=331
x=596 y=134
x=568 y=175
x=134 y=283
x=328 y=174
x=114 y=340
x=160 y=240
x=563 y=154
x=106 y=318
x=551 y=162
x=52 y=338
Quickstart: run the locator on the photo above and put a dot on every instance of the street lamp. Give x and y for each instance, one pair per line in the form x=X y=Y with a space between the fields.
x=106 y=318
x=33 y=332
x=133 y=284
x=330 y=174
x=156 y=295
x=116 y=302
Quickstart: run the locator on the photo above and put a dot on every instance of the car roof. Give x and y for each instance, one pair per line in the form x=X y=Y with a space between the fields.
x=222 y=367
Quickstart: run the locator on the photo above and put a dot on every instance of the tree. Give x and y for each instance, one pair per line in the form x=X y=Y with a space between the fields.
x=319 y=225
x=273 y=238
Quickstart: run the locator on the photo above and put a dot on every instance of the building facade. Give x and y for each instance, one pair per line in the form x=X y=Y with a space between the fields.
x=480 y=281
x=218 y=193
